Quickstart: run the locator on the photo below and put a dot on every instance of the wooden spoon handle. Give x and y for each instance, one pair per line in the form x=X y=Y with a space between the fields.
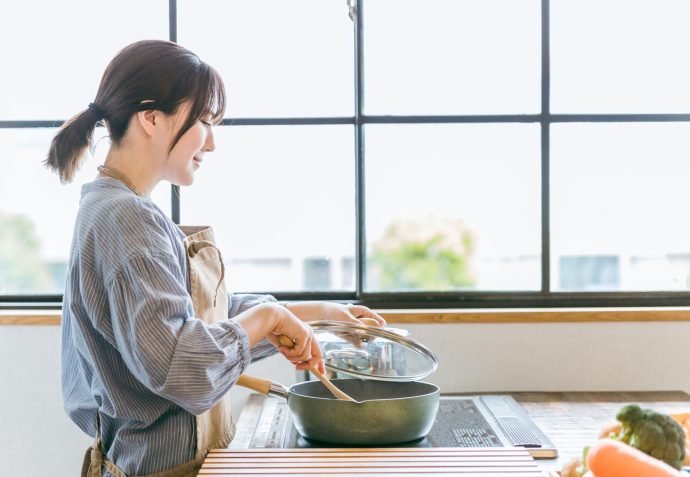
x=286 y=341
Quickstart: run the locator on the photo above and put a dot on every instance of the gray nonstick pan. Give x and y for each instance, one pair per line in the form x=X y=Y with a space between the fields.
x=385 y=412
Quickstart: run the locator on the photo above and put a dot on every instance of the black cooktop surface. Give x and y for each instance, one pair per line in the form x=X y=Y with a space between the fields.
x=475 y=421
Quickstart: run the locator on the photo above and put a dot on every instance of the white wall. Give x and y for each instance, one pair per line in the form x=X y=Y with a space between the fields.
x=36 y=438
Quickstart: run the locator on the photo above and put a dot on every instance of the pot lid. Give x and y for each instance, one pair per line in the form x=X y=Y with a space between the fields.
x=384 y=354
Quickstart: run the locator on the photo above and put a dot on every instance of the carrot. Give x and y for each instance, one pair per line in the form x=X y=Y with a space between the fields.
x=611 y=458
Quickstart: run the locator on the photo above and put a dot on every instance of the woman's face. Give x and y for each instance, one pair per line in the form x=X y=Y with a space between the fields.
x=188 y=154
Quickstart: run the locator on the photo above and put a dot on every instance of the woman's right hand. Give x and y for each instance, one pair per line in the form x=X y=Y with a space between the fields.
x=270 y=320
x=305 y=353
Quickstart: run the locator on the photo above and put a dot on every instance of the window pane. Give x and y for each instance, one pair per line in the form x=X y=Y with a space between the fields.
x=281 y=202
x=619 y=214
x=452 y=56
x=54 y=53
x=619 y=56
x=277 y=58
x=37 y=212
x=453 y=207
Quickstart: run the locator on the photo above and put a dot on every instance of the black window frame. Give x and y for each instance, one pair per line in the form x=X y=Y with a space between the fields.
x=543 y=298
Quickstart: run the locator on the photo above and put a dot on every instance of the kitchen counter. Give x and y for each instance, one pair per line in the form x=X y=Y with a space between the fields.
x=571 y=420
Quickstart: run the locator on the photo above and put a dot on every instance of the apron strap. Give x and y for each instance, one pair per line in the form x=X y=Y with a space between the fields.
x=94 y=461
x=196 y=246
x=113 y=469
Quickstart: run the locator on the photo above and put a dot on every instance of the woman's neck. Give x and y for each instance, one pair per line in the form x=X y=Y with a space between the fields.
x=137 y=166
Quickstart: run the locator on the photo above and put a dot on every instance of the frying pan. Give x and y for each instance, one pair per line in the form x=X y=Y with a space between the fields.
x=384 y=413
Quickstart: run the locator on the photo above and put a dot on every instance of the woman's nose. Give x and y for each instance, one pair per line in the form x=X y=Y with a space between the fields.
x=210 y=144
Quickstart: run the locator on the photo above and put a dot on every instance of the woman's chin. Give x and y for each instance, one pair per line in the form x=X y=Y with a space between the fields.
x=184 y=181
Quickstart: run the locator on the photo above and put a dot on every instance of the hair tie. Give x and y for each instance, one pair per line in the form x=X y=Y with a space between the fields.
x=152 y=105
x=93 y=107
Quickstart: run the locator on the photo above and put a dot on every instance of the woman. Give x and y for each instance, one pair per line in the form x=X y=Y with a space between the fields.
x=151 y=341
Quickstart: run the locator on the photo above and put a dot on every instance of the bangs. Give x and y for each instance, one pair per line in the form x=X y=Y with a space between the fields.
x=207 y=98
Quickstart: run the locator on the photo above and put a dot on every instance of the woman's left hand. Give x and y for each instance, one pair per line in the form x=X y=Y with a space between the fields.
x=321 y=310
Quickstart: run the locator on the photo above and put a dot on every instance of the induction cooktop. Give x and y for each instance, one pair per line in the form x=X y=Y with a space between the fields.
x=467 y=421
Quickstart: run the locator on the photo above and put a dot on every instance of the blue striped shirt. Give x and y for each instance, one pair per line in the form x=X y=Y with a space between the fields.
x=131 y=347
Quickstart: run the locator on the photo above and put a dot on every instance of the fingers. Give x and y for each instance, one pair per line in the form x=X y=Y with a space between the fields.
x=273 y=339
x=314 y=361
x=299 y=347
x=366 y=315
x=311 y=359
x=301 y=351
x=372 y=322
x=353 y=338
x=295 y=340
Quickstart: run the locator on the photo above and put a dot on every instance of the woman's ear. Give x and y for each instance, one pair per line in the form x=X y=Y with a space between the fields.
x=148 y=120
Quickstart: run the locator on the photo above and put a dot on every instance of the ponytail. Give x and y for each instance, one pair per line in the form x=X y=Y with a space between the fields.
x=148 y=74
x=68 y=147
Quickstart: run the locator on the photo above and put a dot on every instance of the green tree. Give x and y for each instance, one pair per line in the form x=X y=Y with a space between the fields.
x=423 y=254
x=21 y=267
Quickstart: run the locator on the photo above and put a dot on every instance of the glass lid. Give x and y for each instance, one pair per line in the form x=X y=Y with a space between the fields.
x=368 y=352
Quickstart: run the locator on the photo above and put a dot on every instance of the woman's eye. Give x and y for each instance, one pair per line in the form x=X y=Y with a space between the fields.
x=205 y=123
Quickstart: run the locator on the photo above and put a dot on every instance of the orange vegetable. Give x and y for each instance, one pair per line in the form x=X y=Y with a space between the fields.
x=611 y=458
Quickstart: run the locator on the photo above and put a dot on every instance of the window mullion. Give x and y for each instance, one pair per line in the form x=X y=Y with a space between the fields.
x=545 y=149
x=360 y=227
x=174 y=189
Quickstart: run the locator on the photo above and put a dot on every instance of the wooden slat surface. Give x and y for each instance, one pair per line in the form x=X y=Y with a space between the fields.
x=374 y=462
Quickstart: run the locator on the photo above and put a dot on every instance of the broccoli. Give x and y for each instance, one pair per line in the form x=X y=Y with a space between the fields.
x=653 y=433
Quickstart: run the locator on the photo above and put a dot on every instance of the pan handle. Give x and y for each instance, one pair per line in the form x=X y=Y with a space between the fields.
x=263 y=386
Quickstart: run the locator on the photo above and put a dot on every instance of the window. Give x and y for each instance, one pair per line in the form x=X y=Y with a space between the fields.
x=51 y=71
x=446 y=153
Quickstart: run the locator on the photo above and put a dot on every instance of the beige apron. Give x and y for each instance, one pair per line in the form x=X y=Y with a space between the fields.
x=214 y=428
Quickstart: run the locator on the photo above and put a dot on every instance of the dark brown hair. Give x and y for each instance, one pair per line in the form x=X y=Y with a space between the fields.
x=148 y=74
